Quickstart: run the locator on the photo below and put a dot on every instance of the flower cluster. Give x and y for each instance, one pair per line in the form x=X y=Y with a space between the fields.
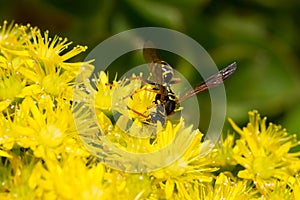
x=43 y=157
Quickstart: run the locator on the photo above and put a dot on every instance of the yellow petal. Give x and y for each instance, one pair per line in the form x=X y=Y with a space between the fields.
x=5 y=154
x=4 y=104
x=169 y=188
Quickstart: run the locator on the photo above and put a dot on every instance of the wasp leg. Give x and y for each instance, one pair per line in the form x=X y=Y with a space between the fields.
x=154 y=89
x=138 y=113
x=137 y=91
x=141 y=79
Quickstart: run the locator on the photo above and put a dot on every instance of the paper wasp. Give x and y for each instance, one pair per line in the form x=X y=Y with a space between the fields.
x=161 y=73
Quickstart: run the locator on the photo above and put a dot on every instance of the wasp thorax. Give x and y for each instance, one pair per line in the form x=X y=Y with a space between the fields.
x=167 y=72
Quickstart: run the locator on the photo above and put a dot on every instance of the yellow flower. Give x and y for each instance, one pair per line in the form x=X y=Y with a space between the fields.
x=186 y=176
x=51 y=126
x=281 y=191
x=127 y=186
x=226 y=188
x=108 y=100
x=7 y=132
x=11 y=47
x=12 y=39
x=294 y=183
x=15 y=171
x=104 y=91
x=48 y=51
x=42 y=156
x=10 y=87
x=36 y=83
x=223 y=153
x=33 y=63
x=142 y=102
x=42 y=126
x=68 y=178
x=264 y=153
x=47 y=66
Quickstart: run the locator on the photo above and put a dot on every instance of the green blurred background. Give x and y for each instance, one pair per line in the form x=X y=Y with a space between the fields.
x=261 y=36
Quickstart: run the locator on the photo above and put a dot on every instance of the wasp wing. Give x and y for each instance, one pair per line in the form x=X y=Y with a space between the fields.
x=152 y=57
x=211 y=82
